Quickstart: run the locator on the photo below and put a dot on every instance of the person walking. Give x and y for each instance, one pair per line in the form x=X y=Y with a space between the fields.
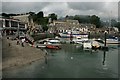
x=23 y=40
x=18 y=41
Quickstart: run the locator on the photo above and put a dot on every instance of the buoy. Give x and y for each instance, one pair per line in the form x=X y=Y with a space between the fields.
x=71 y=57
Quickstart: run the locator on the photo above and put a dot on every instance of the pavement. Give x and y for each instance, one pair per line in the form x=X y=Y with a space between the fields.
x=14 y=55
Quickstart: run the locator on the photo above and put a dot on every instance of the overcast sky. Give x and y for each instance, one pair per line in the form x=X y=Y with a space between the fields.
x=101 y=9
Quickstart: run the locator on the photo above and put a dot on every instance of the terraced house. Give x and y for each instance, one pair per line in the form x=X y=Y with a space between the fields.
x=64 y=26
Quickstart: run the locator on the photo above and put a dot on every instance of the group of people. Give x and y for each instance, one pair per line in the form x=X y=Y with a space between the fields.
x=22 y=42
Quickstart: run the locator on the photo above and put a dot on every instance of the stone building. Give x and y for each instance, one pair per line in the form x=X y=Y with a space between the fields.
x=74 y=25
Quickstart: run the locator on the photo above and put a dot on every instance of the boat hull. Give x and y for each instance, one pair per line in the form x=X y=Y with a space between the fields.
x=112 y=41
x=52 y=47
x=73 y=35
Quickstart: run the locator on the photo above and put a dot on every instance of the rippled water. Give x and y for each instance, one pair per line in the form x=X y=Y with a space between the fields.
x=0 y=58
x=71 y=62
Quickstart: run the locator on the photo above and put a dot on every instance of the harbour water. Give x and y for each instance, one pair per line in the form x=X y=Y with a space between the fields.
x=0 y=56
x=70 y=62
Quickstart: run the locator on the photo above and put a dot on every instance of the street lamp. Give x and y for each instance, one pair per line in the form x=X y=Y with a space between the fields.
x=105 y=37
x=105 y=48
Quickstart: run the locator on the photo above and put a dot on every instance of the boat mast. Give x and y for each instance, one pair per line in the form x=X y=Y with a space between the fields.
x=110 y=21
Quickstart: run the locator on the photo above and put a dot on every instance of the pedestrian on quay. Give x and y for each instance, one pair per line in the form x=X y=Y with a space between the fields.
x=18 y=41
x=22 y=40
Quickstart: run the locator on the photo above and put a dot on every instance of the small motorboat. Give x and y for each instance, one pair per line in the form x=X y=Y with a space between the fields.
x=87 y=45
x=52 y=47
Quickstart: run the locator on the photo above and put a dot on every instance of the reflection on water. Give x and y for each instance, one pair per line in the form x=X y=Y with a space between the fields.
x=0 y=58
x=71 y=62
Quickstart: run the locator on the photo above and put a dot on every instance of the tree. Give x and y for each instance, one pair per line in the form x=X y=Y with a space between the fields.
x=32 y=13
x=118 y=25
x=113 y=23
x=66 y=16
x=95 y=20
x=53 y=16
x=40 y=14
x=77 y=18
x=44 y=27
x=5 y=15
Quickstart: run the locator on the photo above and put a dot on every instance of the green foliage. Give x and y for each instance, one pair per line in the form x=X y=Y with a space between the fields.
x=86 y=19
x=95 y=20
x=44 y=27
x=118 y=25
x=40 y=14
x=40 y=19
x=53 y=16
x=5 y=15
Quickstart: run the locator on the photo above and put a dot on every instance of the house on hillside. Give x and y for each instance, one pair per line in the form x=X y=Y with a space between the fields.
x=67 y=25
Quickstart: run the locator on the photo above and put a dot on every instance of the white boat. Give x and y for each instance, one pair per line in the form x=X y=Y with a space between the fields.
x=73 y=34
x=46 y=42
x=87 y=45
x=112 y=40
x=79 y=40
x=91 y=44
x=53 y=41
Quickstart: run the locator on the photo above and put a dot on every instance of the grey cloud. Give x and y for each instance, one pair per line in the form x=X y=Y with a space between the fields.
x=101 y=9
x=22 y=7
x=83 y=6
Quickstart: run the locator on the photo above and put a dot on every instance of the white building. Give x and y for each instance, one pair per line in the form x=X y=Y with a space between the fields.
x=12 y=25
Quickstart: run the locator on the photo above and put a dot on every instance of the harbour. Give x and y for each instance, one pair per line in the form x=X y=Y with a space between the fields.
x=59 y=40
x=71 y=62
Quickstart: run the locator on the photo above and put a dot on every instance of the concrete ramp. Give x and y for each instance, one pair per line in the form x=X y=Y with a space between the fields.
x=29 y=38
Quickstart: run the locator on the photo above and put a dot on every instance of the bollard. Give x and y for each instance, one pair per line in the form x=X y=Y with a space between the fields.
x=9 y=44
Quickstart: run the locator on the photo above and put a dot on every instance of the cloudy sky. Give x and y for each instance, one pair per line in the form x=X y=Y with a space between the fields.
x=102 y=9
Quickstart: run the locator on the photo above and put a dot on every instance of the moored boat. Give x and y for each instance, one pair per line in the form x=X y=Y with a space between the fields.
x=87 y=45
x=49 y=43
x=79 y=40
x=52 y=47
x=73 y=34
x=112 y=40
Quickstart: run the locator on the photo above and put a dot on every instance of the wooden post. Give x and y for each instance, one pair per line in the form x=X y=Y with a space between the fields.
x=104 y=55
x=105 y=38
x=71 y=37
x=105 y=49
x=89 y=34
